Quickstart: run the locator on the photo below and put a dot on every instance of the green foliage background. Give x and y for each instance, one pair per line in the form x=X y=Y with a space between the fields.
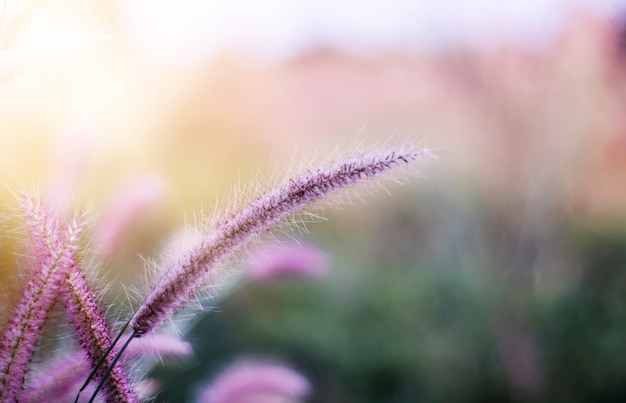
x=428 y=302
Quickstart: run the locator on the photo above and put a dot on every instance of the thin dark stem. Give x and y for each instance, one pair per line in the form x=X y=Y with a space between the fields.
x=92 y=374
x=110 y=368
x=102 y=359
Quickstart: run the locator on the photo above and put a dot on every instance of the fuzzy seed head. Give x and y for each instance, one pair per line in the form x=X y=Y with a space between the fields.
x=206 y=258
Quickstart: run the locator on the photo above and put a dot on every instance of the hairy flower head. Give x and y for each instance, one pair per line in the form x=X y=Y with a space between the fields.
x=206 y=259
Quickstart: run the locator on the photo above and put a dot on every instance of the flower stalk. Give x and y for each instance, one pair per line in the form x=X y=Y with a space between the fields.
x=23 y=330
x=93 y=334
x=183 y=280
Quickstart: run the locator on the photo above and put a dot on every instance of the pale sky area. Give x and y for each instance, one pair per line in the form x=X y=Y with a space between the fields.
x=190 y=29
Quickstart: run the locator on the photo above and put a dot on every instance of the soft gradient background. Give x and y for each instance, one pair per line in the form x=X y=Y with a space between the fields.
x=496 y=276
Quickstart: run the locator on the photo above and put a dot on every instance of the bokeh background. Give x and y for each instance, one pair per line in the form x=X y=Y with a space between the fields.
x=498 y=275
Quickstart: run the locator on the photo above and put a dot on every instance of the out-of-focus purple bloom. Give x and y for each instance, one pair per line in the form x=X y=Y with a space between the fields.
x=257 y=382
x=159 y=344
x=134 y=197
x=288 y=260
x=60 y=381
x=71 y=163
x=147 y=387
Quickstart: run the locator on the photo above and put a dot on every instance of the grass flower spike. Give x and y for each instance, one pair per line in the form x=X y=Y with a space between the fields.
x=47 y=247
x=180 y=282
x=93 y=334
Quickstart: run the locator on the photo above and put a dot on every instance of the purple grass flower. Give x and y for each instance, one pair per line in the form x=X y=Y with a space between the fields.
x=84 y=313
x=63 y=378
x=288 y=260
x=47 y=246
x=256 y=382
x=181 y=281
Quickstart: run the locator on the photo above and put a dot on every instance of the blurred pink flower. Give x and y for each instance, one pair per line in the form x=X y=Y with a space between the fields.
x=256 y=382
x=159 y=344
x=292 y=259
x=135 y=196
x=71 y=162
